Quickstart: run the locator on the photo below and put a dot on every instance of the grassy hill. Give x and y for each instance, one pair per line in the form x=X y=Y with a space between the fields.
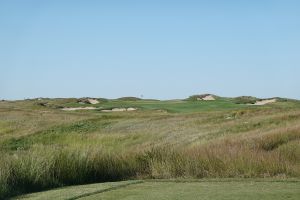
x=43 y=146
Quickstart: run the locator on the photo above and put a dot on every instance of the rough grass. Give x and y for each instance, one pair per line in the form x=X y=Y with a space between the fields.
x=43 y=147
x=39 y=169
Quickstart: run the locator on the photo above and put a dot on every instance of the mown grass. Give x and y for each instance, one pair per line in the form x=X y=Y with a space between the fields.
x=203 y=190
x=177 y=189
x=79 y=191
x=43 y=147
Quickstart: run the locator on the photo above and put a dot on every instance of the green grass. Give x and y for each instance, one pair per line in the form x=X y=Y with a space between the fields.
x=187 y=190
x=43 y=147
x=77 y=192
x=169 y=105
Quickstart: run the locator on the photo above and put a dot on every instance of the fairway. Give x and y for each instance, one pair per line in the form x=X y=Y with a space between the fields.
x=177 y=190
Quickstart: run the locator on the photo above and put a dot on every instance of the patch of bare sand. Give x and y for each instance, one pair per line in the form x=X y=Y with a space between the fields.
x=131 y=109
x=264 y=102
x=207 y=98
x=93 y=101
x=79 y=108
x=119 y=110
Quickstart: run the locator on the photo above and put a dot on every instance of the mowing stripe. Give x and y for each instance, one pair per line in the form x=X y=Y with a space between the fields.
x=105 y=190
x=289 y=180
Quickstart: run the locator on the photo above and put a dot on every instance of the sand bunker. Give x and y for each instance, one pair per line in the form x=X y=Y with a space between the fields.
x=207 y=98
x=93 y=101
x=79 y=108
x=264 y=102
x=120 y=110
x=131 y=109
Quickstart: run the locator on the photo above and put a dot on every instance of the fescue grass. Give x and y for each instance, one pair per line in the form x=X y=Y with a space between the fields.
x=38 y=169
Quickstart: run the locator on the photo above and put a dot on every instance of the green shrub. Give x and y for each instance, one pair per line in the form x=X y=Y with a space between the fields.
x=129 y=99
x=199 y=96
x=245 y=100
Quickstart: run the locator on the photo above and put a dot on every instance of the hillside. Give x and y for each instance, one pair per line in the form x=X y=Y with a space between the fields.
x=47 y=143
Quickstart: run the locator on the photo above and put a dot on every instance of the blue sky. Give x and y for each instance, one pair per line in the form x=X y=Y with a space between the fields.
x=158 y=49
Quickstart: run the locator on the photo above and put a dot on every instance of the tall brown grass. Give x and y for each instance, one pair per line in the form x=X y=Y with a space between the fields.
x=271 y=155
x=41 y=149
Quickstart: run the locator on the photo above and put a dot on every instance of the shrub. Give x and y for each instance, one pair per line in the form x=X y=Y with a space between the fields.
x=245 y=100
x=129 y=99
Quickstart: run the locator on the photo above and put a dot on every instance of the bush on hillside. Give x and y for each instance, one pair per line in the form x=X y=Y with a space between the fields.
x=245 y=100
x=199 y=96
x=129 y=99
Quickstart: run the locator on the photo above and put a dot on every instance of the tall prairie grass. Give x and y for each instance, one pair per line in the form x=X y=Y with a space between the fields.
x=272 y=155
x=41 y=148
x=39 y=169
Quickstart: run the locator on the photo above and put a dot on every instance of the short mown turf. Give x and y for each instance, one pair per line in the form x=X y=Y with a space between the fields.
x=172 y=190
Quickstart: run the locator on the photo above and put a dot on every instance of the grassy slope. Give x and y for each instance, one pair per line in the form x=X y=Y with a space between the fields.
x=188 y=190
x=43 y=147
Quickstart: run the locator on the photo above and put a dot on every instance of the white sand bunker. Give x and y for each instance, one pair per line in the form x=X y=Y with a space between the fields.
x=120 y=110
x=264 y=102
x=208 y=97
x=79 y=108
x=93 y=101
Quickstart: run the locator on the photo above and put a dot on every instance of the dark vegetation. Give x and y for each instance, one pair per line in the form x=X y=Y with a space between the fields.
x=200 y=96
x=129 y=99
x=245 y=100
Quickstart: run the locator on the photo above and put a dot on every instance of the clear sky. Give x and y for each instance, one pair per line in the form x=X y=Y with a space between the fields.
x=156 y=48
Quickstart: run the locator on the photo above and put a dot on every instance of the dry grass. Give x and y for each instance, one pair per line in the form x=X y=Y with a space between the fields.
x=43 y=147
